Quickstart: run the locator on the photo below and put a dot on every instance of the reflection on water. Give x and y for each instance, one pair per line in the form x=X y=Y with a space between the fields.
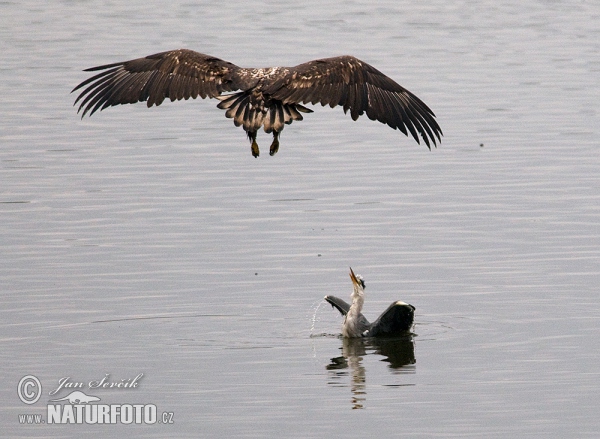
x=398 y=352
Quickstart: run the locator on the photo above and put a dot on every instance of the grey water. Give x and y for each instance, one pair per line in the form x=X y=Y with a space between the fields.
x=150 y=241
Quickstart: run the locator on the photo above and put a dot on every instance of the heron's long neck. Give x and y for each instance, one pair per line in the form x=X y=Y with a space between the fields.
x=352 y=325
x=358 y=301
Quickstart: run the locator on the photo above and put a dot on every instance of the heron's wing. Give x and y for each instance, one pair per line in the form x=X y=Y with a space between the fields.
x=360 y=88
x=343 y=307
x=395 y=320
x=176 y=74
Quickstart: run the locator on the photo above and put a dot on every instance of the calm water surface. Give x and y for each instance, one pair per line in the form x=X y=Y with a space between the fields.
x=150 y=241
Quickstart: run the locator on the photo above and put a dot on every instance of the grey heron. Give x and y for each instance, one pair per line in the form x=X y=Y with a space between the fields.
x=397 y=319
x=264 y=97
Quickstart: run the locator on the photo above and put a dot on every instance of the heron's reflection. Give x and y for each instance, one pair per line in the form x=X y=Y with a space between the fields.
x=398 y=352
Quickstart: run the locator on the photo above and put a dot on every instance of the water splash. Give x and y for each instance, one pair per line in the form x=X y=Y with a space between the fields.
x=329 y=318
x=314 y=319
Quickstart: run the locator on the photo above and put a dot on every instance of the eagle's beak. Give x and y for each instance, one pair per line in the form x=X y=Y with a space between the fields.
x=353 y=277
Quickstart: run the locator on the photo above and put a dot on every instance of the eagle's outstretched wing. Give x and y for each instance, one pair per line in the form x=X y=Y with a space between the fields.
x=359 y=88
x=176 y=74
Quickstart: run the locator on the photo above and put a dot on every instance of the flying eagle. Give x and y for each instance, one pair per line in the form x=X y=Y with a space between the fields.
x=267 y=97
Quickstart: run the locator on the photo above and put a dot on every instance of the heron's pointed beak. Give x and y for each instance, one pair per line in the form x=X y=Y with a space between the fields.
x=353 y=277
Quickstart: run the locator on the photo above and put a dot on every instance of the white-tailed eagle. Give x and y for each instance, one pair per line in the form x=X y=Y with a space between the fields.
x=267 y=97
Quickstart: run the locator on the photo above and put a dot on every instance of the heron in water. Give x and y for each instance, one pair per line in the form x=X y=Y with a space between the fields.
x=266 y=97
x=396 y=320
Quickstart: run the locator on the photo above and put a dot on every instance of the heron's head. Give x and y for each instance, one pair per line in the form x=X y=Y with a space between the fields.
x=358 y=282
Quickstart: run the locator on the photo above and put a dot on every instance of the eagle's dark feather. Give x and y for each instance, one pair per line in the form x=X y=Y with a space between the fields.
x=268 y=98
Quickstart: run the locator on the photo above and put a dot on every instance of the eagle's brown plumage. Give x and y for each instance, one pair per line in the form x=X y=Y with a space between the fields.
x=268 y=98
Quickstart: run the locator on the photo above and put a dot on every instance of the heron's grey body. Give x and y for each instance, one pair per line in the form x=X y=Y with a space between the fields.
x=397 y=319
x=265 y=97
